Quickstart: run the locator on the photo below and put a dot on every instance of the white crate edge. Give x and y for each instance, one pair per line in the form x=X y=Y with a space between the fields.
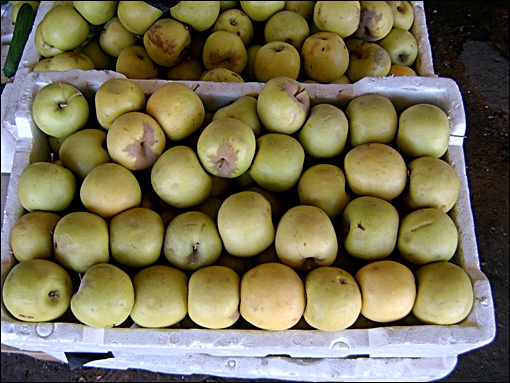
x=384 y=342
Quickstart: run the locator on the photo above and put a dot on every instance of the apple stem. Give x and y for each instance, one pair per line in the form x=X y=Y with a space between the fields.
x=299 y=92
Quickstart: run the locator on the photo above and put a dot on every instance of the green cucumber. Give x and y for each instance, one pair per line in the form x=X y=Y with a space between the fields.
x=22 y=29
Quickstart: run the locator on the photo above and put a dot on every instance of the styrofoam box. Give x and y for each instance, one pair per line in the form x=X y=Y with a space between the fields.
x=424 y=63
x=421 y=352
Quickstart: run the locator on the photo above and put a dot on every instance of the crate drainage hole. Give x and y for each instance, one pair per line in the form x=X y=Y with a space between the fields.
x=44 y=330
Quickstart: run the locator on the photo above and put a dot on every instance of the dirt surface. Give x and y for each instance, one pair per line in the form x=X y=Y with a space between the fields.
x=470 y=45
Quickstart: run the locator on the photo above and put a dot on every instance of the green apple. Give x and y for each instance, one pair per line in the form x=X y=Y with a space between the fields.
x=226 y=147
x=236 y=21
x=210 y=206
x=261 y=11
x=249 y=71
x=427 y=235
x=199 y=15
x=178 y=178
x=64 y=28
x=187 y=69
x=92 y=49
x=376 y=20
x=432 y=183
x=375 y=169
x=287 y=26
x=115 y=97
x=213 y=297
x=423 y=131
x=70 y=61
x=44 y=49
x=278 y=162
x=401 y=70
x=60 y=109
x=224 y=5
x=135 y=63
x=366 y=60
x=306 y=233
x=114 y=37
x=245 y=109
x=136 y=237
x=372 y=118
x=224 y=49
x=37 y=290
x=96 y=12
x=137 y=16
x=272 y=296
x=167 y=42
x=401 y=46
x=80 y=240
x=245 y=224
x=325 y=56
x=42 y=65
x=324 y=133
x=161 y=296
x=275 y=59
x=192 y=241
x=83 y=151
x=178 y=109
x=370 y=228
x=104 y=298
x=135 y=140
x=46 y=186
x=283 y=105
x=340 y=17
x=220 y=75
x=303 y=8
x=109 y=189
x=333 y=299
x=324 y=186
x=403 y=14
x=388 y=290
x=444 y=295
x=31 y=236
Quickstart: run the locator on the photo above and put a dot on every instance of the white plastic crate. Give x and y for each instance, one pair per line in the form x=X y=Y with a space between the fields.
x=421 y=352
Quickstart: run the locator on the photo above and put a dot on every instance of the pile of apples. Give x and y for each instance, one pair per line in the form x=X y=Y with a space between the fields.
x=265 y=213
x=231 y=41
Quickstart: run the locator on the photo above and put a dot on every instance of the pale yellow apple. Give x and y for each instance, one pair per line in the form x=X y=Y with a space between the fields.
x=134 y=62
x=137 y=16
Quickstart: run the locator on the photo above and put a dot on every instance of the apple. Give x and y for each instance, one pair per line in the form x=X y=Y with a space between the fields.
x=403 y=14
x=192 y=241
x=37 y=191
x=423 y=130
x=401 y=46
x=83 y=151
x=80 y=240
x=224 y=5
x=136 y=237
x=224 y=49
x=137 y=16
x=283 y=105
x=114 y=37
x=44 y=49
x=167 y=42
x=109 y=189
x=220 y=75
x=340 y=17
x=187 y=69
x=60 y=109
x=70 y=61
x=115 y=97
x=226 y=147
x=236 y=21
x=135 y=63
x=249 y=72
x=64 y=28
x=177 y=108
x=287 y=26
x=325 y=56
x=92 y=49
x=135 y=140
x=244 y=109
x=303 y=8
x=376 y=20
x=261 y=11
x=306 y=233
x=366 y=60
x=42 y=65
x=96 y=12
x=401 y=70
x=199 y=15
x=275 y=59
x=37 y=290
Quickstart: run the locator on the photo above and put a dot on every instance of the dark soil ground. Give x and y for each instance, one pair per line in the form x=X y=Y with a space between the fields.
x=470 y=45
